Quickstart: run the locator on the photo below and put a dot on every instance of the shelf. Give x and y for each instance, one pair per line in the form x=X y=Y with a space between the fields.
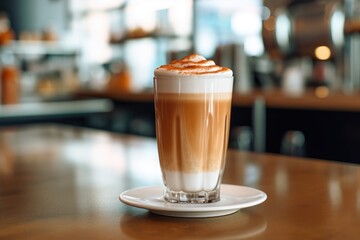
x=124 y=96
x=42 y=109
x=122 y=40
x=40 y=48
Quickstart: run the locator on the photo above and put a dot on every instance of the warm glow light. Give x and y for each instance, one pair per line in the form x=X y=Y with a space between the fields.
x=322 y=53
x=322 y=92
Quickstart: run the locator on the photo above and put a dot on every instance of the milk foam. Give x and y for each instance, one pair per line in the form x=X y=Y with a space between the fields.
x=193 y=64
x=193 y=74
x=191 y=182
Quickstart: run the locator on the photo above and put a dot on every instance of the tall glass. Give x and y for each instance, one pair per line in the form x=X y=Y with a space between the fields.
x=192 y=130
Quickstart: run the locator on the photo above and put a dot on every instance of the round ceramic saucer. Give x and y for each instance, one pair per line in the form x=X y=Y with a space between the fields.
x=233 y=198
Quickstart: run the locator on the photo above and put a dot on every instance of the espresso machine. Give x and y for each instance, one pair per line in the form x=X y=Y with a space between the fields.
x=296 y=30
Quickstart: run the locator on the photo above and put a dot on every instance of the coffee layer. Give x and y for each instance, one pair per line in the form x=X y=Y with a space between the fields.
x=192 y=131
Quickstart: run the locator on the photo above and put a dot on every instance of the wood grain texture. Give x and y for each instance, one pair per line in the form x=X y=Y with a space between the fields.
x=59 y=182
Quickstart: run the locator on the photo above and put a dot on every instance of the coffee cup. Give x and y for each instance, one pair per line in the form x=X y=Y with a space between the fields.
x=192 y=107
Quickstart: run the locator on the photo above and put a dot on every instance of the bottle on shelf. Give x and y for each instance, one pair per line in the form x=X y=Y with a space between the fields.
x=9 y=79
x=6 y=33
x=120 y=80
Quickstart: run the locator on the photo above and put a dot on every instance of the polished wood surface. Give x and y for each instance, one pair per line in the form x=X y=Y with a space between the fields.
x=61 y=182
x=309 y=100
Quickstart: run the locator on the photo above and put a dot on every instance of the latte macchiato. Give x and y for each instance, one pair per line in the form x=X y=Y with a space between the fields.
x=192 y=105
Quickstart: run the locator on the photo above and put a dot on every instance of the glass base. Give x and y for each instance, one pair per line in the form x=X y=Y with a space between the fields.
x=192 y=197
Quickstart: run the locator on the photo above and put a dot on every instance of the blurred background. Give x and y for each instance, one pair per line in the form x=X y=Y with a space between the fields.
x=90 y=63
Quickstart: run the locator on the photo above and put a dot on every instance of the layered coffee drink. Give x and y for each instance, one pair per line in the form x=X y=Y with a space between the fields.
x=192 y=106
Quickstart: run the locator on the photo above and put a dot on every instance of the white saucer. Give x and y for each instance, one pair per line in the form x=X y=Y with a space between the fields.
x=232 y=199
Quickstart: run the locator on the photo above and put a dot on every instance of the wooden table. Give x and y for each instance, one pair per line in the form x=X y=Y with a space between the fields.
x=61 y=182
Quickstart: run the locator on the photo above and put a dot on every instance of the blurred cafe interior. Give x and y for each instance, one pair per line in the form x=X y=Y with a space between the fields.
x=90 y=63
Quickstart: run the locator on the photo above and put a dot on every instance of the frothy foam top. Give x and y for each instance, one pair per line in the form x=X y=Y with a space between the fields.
x=193 y=64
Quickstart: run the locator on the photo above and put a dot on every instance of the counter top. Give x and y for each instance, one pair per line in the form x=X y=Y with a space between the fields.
x=61 y=182
x=310 y=100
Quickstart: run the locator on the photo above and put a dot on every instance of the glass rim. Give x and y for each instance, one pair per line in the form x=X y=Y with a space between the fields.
x=200 y=76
